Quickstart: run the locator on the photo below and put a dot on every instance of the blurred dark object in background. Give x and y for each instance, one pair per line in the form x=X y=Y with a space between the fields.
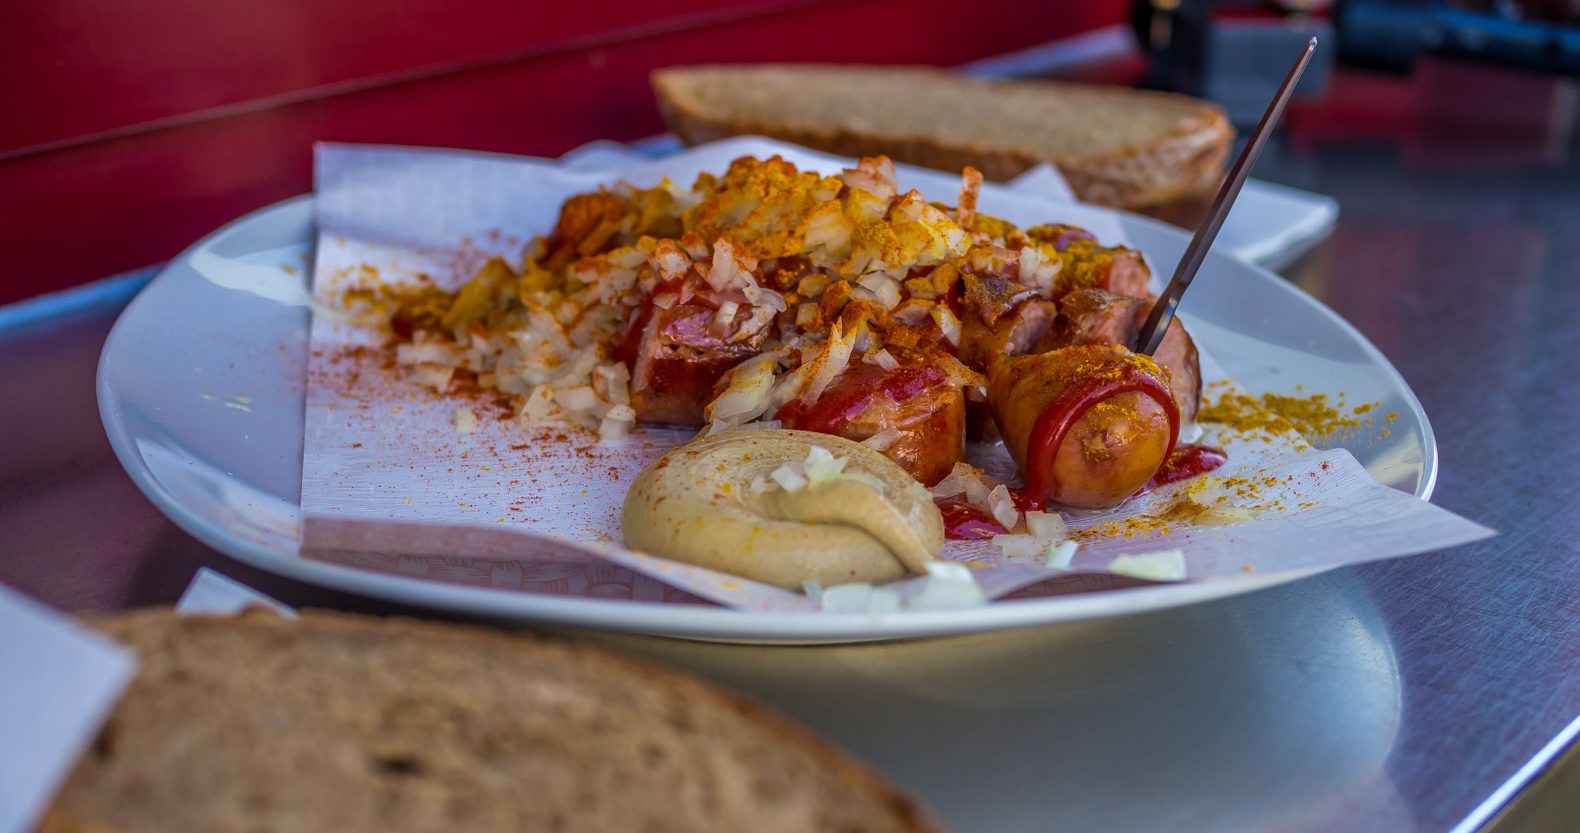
x=1234 y=53
x=1542 y=35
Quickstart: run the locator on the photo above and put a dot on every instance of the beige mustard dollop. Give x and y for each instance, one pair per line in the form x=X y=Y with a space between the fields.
x=696 y=504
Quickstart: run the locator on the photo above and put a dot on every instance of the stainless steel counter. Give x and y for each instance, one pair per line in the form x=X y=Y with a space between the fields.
x=1406 y=695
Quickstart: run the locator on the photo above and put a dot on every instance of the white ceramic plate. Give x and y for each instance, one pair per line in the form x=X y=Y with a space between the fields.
x=201 y=391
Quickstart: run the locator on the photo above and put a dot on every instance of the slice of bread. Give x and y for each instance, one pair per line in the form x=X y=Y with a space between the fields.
x=345 y=723
x=1119 y=147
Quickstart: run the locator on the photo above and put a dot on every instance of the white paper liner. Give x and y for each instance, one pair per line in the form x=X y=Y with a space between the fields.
x=59 y=680
x=387 y=484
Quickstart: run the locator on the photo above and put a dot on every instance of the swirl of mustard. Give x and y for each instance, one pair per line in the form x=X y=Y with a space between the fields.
x=696 y=504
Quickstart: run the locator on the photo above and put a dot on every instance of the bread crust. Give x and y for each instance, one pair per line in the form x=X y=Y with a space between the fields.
x=906 y=812
x=1131 y=177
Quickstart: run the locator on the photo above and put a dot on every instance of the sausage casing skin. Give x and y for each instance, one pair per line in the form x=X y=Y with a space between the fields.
x=1089 y=425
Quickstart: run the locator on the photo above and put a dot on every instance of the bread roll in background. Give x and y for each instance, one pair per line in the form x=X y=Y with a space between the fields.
x=338 y=723
x=1119 y=147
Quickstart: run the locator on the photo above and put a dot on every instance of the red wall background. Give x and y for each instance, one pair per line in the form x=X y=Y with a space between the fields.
x=131 y=129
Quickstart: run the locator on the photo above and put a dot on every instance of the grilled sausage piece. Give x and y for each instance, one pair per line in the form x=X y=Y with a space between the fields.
x=1089 y=425
x=586 y=225
x=675 y=361
x=1061 y=235
x=915 y=400
x=1000 y=318
x=1092 y=316
x=1091 y=265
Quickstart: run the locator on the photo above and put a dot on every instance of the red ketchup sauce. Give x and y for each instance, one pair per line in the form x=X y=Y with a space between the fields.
x=964 y=522
x=1054 y=424
x=1185 y=462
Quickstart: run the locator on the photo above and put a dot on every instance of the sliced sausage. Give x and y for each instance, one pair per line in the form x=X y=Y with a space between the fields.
x=916 y=400
x=1000 y=318
x=1092 y=316
x=587 y=224
x=1177 y=354
x=675 y=361
x=1061 y=235
x=1091 y=265
x=1089 y=425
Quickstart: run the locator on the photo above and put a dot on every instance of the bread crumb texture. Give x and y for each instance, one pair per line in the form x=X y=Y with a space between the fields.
x=341 y=722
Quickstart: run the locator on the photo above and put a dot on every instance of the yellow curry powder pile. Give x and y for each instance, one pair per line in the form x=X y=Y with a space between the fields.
x=1314 y=416
x=1212 y=500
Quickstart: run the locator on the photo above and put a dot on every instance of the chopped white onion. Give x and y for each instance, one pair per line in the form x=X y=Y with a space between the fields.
x=948 y=323
x=788 y=478
x=617 y=422
x=830 y=362
x=745 y=396
x=727 y=270
x=881 y=358
x=883 y=440
x=578 y=398
x=426 y=352
x=948 y=586
x=954 y=483
x=1037 y=269
x=913 y=311
x=626 y=257
x=723 y=318
x=859 y=598
x=1062 y=555
x=1003 y=507
x=812 y=285
x=694 y=247
x=788 y=386
x=1020 y=546
x=979 y=494
x=826 y=226
x=464 y=420
x=863 y=340
x=759 y=319
x=822 y=466
x=616 y=380
x=949 y=571
x=1162 y=565
x=669 y=260
x=884 y=289
x=432 y=376
x=539 y=404
x=759 y=296
x=1047 y=526
x=875 y=176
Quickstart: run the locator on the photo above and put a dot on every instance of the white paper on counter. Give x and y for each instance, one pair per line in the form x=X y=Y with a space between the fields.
x=214 y=593
x=381 y=460
x=58 y=682
x=1269 y=223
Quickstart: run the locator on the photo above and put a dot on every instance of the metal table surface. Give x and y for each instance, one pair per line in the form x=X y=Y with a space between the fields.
x=1407 y=695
